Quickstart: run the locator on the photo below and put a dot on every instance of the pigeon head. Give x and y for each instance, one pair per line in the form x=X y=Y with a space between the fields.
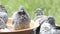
x=2 y=9
x=51 y=20
x=21 y=11
x=39 y=11
x=1 y=6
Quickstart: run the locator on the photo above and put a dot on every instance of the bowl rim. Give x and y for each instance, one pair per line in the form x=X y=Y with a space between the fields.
x=35 y=26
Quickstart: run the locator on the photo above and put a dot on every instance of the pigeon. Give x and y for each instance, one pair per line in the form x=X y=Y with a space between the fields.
x=3 y=26
x=3 y=19
x=20 y=19
x=39 y=18
x=55 y=29
x=3 y=14
x=39 y=14
x=46 y=26
x=49 y=27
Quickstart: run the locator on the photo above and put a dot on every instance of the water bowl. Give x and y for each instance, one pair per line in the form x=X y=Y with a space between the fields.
x=23 y=31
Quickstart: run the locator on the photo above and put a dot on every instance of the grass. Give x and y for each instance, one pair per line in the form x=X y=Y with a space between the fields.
x=49 y=7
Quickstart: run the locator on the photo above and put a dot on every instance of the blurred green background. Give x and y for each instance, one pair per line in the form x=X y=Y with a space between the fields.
x=49 y=7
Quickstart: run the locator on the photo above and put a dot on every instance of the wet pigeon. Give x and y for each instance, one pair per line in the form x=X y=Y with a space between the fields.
x=39 y=18
x=20 y=19
x=49 y=27
x=3 y=14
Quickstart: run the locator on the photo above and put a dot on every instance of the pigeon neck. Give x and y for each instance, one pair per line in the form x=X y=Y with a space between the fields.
x=38 y=14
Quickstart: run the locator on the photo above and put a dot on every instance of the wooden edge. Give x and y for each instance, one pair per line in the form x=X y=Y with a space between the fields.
x=32 y=22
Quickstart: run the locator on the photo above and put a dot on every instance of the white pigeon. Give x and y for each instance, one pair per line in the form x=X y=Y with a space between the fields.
x=20 y=19
x=49 y=27
x=3 y=14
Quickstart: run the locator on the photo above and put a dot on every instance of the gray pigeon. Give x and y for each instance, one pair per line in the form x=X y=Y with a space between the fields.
x=3 y=14
x=39 y=15
x=39 y=18
x=3 y=26
x=49 y=27
x=3 y=19
x=20 y=19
